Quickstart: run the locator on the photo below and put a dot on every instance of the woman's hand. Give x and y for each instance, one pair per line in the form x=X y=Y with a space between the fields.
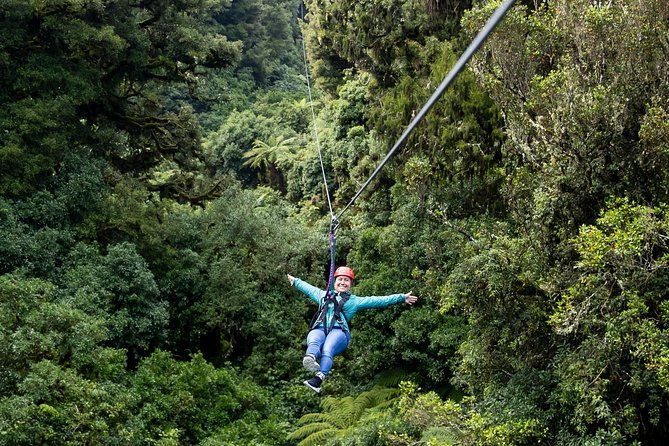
x=410 y=298
x=291 y=279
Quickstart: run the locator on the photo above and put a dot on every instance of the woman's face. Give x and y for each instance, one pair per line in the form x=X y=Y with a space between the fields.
x=342 y=283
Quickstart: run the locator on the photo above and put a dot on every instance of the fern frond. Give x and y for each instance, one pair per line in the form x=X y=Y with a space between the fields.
x=375 y=396
x=365 y=399
x=385 y=404
x=441 y=435
x=318 y=438
x=318 y=417
x=259 y=155
x=392 y=378
x=378 y=395
x=308 y=430
x=330 y=403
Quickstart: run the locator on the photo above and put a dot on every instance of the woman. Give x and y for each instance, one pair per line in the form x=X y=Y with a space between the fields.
x=329 y=333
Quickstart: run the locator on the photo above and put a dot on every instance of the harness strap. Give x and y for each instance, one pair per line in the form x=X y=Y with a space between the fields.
x=330 y=287
x=338 y=313
x=321 y=314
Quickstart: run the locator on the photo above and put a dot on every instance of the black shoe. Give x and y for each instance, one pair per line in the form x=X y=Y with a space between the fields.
x=315 y=382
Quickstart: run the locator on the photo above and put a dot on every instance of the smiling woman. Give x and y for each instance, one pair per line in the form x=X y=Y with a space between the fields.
x=329 y=334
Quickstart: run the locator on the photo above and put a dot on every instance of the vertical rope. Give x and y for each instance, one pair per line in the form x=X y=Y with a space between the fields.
x=332 y=264
x=313 y=119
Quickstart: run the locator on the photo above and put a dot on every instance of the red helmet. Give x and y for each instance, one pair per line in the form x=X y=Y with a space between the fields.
x=345 y=271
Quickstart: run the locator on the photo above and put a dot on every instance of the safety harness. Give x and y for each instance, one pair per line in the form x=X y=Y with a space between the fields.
x=320 y=317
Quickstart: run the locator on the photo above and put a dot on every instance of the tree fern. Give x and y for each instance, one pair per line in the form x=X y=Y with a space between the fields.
x=279 y=151
x=376 y=397
x=318 y=438
x=339 y=415
x=316 y=418
x=271 y=158
x=309 y=429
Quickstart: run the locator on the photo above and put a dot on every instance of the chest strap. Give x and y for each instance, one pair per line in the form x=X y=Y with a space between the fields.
x=320 y=317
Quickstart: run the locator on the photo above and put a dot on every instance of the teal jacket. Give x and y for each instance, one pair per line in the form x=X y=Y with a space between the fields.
x=352 y=306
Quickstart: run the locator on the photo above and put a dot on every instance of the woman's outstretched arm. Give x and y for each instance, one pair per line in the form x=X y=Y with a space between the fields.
x=309 y=290
x=368 y=302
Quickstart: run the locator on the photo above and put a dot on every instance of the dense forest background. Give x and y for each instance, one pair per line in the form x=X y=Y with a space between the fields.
x=159 y=176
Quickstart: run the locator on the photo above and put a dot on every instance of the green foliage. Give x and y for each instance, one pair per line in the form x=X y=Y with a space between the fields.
x=269 y=157
x=165 y=402
x=578 y=103
x=87 y=75
x=615 y=317
x=341 y=416
x=55 y=405
x=38 y=326
x=257 y=428
x=653 y=137
x=401 y=257
x=188 y=398
x=248 y=249
x=459 y=144
x=267 y=30
x=499 y=290
x=125 y=233
x=271 y=124
x=37 y=231
x=375 y=36
x=119 y=288
x=54 y=386
x=59 y=384
x=574 y=93
x=31 y=250
x=441 y=422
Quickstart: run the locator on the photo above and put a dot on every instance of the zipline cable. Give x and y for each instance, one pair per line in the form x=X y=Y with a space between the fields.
x=469 y=52
x=318 y=144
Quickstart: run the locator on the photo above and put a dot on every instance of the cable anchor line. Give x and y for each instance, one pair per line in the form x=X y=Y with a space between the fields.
x=333 y=219
x=334 y=222
x=490 y=25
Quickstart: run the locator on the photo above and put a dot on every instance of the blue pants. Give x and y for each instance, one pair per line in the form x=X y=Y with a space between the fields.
x=324 y=349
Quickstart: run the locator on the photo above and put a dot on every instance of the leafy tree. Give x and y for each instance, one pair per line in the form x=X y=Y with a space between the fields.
x=37 y=325
x=435 y=421
x=459 y=144
x=267 y=30
x=119 y=288
x=376 y=36
x=499 y=290
x=247 y=309
x=33 y=251
x=574 y=94
x=189 y=401
x=56 y=405
x=271 y=156
x=237 y=136
x=88 y=75
x=58 y=378
x=613 y=369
